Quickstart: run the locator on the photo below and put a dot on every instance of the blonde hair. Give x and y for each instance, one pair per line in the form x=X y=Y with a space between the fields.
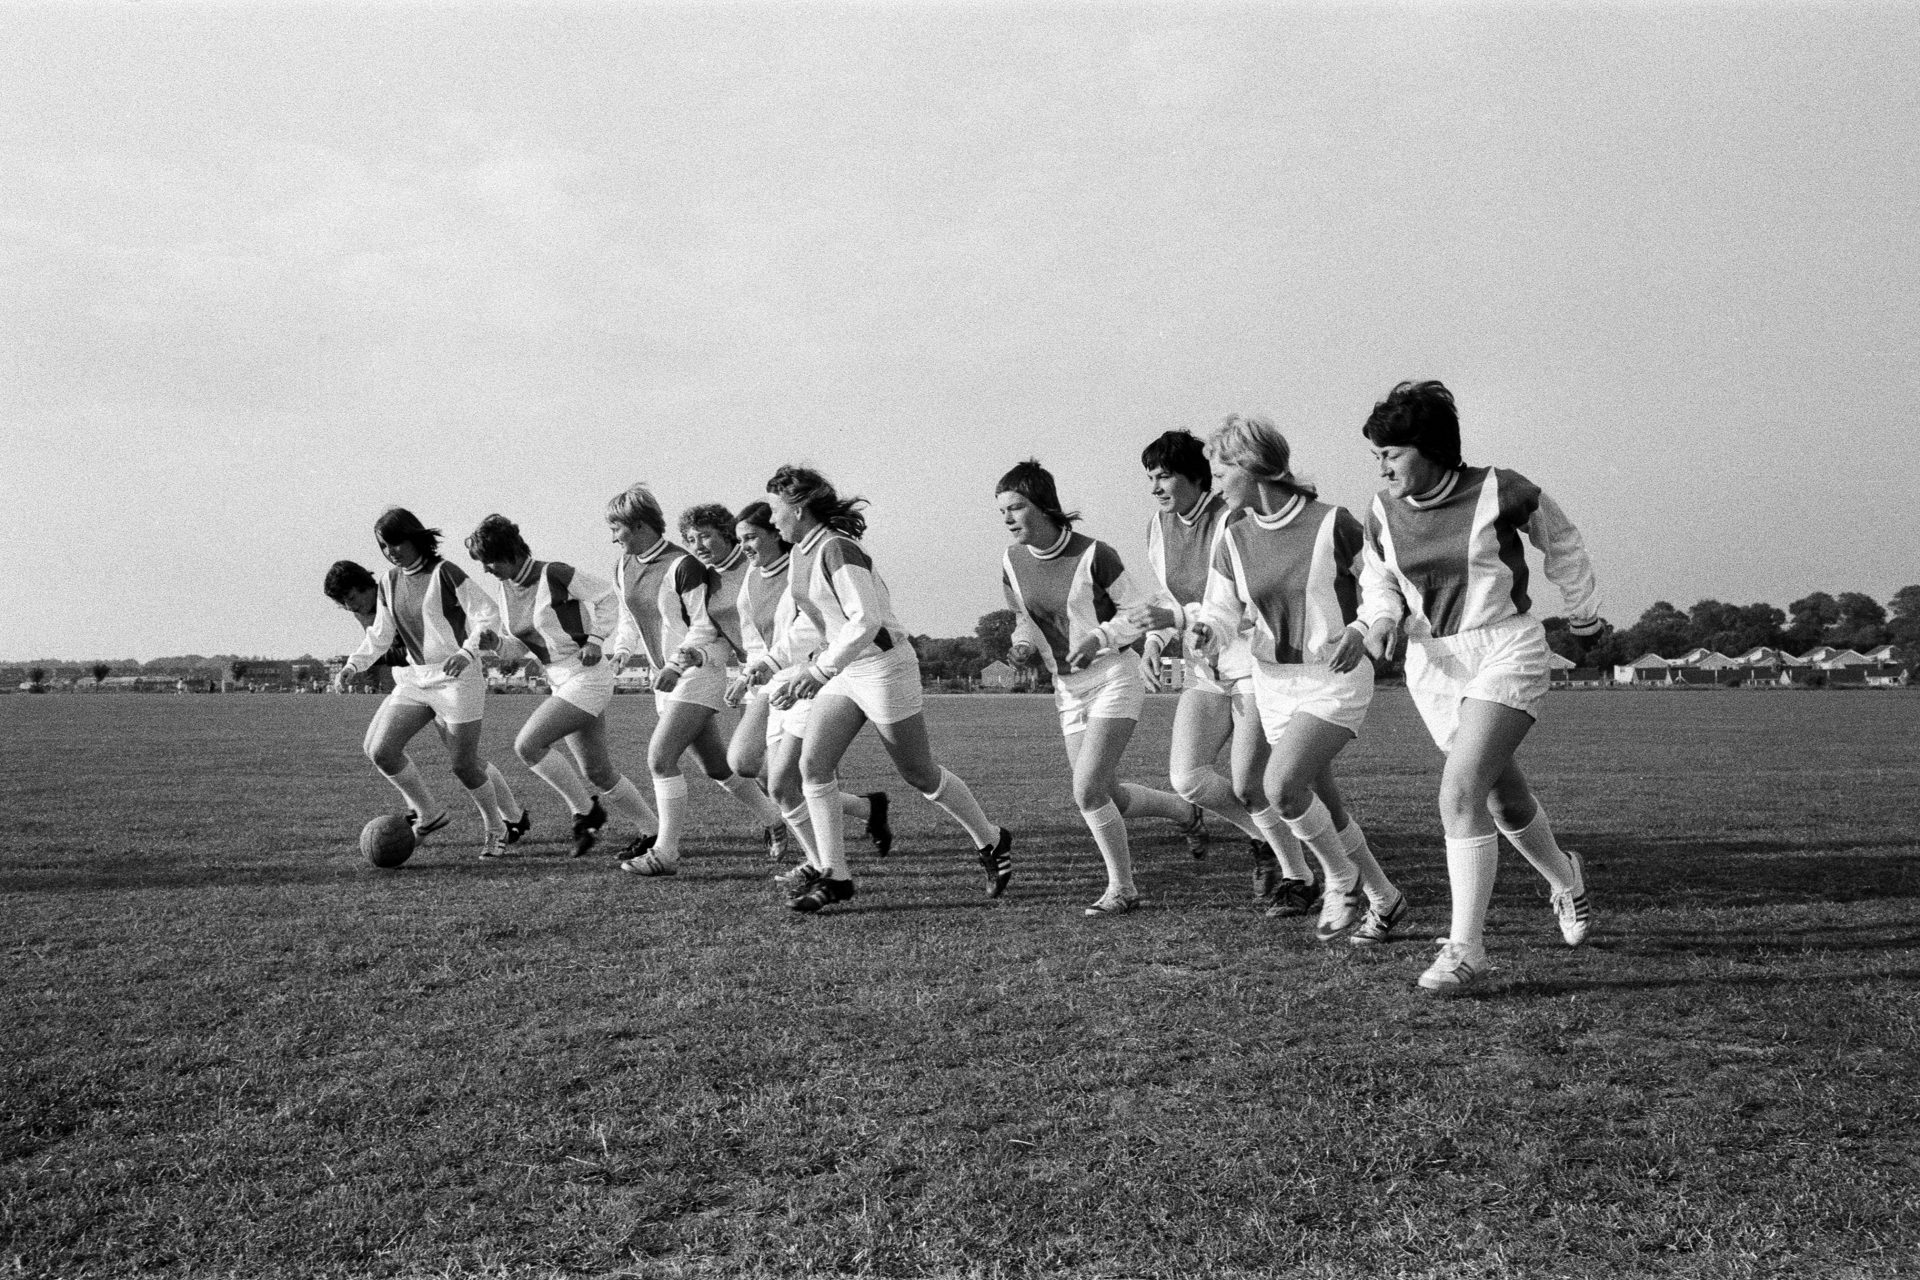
x=637 y=508
x=1256 y=446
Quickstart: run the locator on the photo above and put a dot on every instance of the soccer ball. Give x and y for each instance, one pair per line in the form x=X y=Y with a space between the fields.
x=387 y=840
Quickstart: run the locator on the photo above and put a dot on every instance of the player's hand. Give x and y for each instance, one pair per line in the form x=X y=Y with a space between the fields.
x=590 y=654
x=1199 y=637
x=1150 y=663
x=487 y=641
x=666 y=678
x=459 y=662
x=1085 y=651
x=340 y=678
x=1152 y=617
x=687 y=658
x=1022 y=653
x=800 y=683
x=1348 y=651
x=737 y=690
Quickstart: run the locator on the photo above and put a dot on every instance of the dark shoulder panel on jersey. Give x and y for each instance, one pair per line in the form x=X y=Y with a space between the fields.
x=1106 y=567
x=1519 y=499
x=839 y=551
x=566 y=609
x=450 y=579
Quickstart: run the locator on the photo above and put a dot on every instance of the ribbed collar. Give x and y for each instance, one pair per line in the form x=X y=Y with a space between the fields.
x=1053 y=552
x=422 y=566
x=1436 y=495
x=653 y=552
x=815 y=536
x=778 y=567
x=1199 y=510
x=528 y=572
x=739 y=553
x=1281 y=518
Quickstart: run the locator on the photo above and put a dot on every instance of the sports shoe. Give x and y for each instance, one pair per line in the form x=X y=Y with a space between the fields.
x=1379 y=925
x=779 y=842
x=520 y=826
x=494 y=846
x=879 y=830
x=800 y=879
x=1266 y=870
x=1339 y=914
x=1194 y=830
x=824 y=892
x=1114 y=902
x=586 y=828
x=637 y=848
x=1458 y=965
x=997 y=860
x=421 y=830
x=1293 y=898
x=1571 y=905
x=651 y=863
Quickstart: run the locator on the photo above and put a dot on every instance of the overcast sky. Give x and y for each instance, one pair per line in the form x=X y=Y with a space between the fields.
x=268 y=269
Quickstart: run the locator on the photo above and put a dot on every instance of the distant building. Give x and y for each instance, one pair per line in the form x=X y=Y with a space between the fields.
x=997 y=675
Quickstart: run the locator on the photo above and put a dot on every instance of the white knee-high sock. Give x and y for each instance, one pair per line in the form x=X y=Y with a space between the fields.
x=829 y=828
x=1110 y=833
x=1145 y=802
x=489 y=807
x=752 y=799
x=670 y=797
x=557 y=771
x=1314 y=829
x=626 y=802
x=503 y=792
x=1536 y=844
x=800 y=821
x=1472 y=863
x=1206 y=788
x=1380 y=890
x=1285 y=845
x=956 y=798
x=413 y=788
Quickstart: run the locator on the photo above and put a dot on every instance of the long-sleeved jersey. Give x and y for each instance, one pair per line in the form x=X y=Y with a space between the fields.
x=663 y=606
x=1180 y=551
x=723 y=597
x=396 y=654
x=1074 y=589
x=1453 y=558
x=435 y=610
x=774 y=632
x=833 y=583
x=1295 y=573
x=552 y=609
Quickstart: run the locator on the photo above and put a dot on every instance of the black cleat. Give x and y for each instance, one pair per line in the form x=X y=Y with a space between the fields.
x=997 y=861
x=421 y=830
x=799 y=880
x=879 y=830
x=825 y=892
x=519 y=826
x=586 y=829
x=1266 y=871
x=1294 y=898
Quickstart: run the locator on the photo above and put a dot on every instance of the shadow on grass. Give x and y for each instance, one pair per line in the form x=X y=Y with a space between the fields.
x=1534 y=989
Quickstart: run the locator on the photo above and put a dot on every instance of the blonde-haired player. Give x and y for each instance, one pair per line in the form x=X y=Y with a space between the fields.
x=663 y=613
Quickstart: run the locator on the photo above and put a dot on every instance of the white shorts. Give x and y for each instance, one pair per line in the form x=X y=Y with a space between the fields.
x=588 y=688
x=455 y=699
x=703 y=686
x=792 y=722
x=1220 y=676
x=1504 y=663
x=1285 y=689
x=1112 y=688
x=885 y=686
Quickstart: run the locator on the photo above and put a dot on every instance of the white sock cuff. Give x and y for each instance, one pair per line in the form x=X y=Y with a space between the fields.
x=674 y=786
x=1106 y=815
x=1516 y=834
x=1351 y=836
x=798 y=814
x=1471 y=844
x=1315 y=824
x=946 y=780
x=821 y=790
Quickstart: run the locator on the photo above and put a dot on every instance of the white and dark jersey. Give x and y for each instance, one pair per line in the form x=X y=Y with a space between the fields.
x=1295 y=574
x=833 y=584
x=723 y=598
x=1074 y=589
x=433 y=611
x=767 y=615
x=552 y=609
x=1452 y=559
x=396 y=654
x=663 y=606
x=1180 y=551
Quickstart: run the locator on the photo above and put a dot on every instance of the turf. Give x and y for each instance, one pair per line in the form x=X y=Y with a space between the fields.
x=235 y=1049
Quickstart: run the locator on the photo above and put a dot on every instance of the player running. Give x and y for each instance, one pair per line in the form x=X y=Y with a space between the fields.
x=866 y=672
x=663 y=593
x=1070 y=596
x=438 y=614
x=1443 y=552
x=353 y=587
x=1216 y=696
x=562 y=617
x=1292 y=568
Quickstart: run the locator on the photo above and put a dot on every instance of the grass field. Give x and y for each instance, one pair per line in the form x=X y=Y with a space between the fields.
x=234 y=1049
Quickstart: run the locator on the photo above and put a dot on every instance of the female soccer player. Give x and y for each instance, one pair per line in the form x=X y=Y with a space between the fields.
x=773 y=641
x=1216 y=697
x=663 y=616
x=866 y=672
x=1443 y=551
x=561 y=617
x=1069 y=595
x=350 y=585
x=440 y=614
x=1292 y=567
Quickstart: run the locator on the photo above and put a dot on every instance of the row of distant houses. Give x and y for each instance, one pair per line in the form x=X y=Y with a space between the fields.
x=1825 y=665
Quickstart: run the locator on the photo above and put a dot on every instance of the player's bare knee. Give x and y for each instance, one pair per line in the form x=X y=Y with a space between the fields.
x=1296 y=795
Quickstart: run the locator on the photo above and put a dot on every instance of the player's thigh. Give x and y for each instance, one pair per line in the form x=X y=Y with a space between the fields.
x=1097 y=763
x=1250 y=747
x=1305 y=752
x=832 y=726
x=679 y=727
x=747 y=753
x=1202 y=723
x=1483 y=746
x=911 y=751
x=394 y=726
x=552 y=720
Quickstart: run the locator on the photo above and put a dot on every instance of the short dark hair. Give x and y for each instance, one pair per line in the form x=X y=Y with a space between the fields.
x=344 y=577
x=497 y=539
x=397 y=525
x=708 y=515
x=1035 y=483
x=760 y=515
x=1182 y=454
x=1418 y=415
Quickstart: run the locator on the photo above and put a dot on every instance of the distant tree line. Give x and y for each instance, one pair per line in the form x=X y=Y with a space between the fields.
x=1850 y=620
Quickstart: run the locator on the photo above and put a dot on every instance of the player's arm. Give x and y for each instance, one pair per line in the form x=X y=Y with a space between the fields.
x=626 y=628
x=1215 y=618
x=851 y=576
x=1568 y=566
x=1381 y=603
x=374 y=642
x=1028 y=639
